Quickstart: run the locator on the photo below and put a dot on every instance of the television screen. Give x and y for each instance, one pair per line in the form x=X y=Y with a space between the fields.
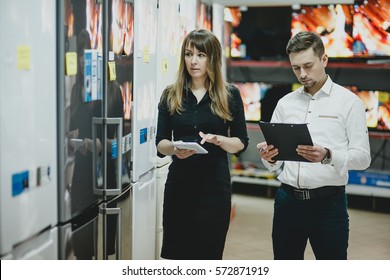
x=332 y=22
x=348 y=31
x=377 y=108
x=251 y=95
x=263 y=33
x=260 y=99
x=371 y=28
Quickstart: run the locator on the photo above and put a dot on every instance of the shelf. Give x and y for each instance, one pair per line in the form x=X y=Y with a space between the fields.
x=255 y=181
x=367 y=190
x=363 y=75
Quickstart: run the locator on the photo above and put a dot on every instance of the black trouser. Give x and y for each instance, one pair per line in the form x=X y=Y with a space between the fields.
x=324 y=221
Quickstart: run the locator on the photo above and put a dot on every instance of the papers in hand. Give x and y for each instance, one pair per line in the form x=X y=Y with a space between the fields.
x=286 y=137
x=190 y=146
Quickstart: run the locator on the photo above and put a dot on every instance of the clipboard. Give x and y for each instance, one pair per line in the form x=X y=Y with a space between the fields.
x=286 y=137
x=190 y=146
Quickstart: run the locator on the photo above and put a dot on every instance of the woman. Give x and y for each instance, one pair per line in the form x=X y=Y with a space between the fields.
x=199 y=107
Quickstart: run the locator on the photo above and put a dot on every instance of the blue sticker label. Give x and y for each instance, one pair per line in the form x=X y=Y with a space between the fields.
x=143 y=135
x=114 y=149
x=20 y=182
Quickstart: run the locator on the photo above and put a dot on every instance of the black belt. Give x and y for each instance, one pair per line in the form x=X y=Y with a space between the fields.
x=304 y=194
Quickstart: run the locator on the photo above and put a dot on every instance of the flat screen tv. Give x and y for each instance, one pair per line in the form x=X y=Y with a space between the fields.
x=251 y=95
x=260 y=99
x=264 y=31
x=360 y=31
x=377 y=108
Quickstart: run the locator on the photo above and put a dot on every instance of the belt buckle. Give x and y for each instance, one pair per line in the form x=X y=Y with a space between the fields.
x=302 y=194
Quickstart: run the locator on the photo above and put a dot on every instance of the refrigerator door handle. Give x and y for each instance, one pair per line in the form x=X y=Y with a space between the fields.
x=104 y=190
x=111 y=211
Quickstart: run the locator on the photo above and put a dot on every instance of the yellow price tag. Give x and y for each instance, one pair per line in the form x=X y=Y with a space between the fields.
x=111 y=71
x=146 y=54
x=71 y=63
x=24 y=57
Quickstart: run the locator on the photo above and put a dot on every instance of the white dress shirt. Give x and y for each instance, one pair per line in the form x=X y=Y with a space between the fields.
x=336 y=120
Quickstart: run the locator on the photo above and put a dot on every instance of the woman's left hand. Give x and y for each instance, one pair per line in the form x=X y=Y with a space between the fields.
x=210 y=138
x=183 y=153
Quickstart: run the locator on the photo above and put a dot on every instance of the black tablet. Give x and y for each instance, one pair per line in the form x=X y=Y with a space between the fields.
x=286 y=137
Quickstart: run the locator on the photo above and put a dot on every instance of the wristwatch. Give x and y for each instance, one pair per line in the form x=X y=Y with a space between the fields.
x=327 y=158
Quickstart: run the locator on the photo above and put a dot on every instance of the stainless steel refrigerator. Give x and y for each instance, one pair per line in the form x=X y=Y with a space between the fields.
x=28 y=158
x=95 y=86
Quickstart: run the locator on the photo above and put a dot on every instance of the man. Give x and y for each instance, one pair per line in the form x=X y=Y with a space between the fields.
x=311 y=203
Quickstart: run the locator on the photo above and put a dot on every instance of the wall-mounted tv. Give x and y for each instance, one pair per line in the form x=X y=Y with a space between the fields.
x=264 y=31
x=251 y=95
x=260 y=99
x=361 y=30
x=377 y=108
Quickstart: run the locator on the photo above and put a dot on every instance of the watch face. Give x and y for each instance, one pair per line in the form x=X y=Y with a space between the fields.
x=327 y=158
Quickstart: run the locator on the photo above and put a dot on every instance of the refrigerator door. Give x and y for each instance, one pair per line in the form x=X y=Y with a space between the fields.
x=78 y=239
x=80 y=100
x=95 y=119
x=114 y=229
x=120 y=89
x=28 y=152
x=92 y=107
x=145 y=103
x=41 y=247
x=144 y=217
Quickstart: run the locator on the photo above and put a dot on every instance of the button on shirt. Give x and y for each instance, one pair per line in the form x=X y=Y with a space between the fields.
x=336 y=120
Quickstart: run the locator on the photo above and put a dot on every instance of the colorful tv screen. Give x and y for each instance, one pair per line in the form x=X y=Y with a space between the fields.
x=251 y=95
x=348 y=31
x=377 y=108
x=260 y=99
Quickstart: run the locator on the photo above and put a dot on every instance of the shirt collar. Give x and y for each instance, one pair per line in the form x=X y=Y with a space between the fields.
x=327 y=87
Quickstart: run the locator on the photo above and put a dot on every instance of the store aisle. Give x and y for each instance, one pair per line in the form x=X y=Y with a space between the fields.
x=249 y=236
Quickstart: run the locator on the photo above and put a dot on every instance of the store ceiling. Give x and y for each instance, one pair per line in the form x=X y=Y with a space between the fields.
x=236 y=3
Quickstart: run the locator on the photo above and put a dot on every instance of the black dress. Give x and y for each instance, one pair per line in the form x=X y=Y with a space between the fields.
x=197 y=197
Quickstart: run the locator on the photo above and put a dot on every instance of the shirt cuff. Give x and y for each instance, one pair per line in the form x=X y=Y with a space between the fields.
x=272 y=166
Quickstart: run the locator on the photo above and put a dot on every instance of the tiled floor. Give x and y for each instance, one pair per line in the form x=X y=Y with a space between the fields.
x=249 y=236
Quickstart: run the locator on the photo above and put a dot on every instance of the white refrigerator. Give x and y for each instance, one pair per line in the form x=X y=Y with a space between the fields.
x=28 y=157
x=95 y=84
x=143 y=178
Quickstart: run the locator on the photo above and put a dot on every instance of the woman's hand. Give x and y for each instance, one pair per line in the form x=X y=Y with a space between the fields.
x=183 y=153
x=211 y=138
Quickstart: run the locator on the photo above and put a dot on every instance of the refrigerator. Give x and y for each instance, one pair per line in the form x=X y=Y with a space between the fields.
x=95 y=46
x=143 y=122
x=28 y=158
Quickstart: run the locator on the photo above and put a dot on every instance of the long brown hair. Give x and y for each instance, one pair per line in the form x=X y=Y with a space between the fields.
x=205 y=41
